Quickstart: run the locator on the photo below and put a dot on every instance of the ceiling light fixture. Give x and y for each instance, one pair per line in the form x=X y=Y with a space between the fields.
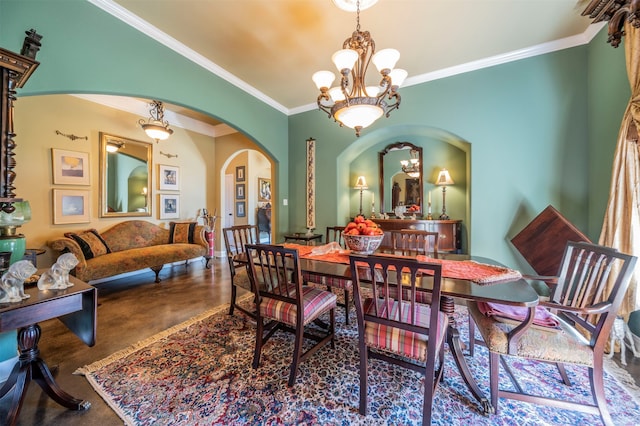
x=156 y=127
x=412 y=166
x=114 y=146
x=353 y=103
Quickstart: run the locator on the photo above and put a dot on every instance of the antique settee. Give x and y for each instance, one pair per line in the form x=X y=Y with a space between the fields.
x=130 y=246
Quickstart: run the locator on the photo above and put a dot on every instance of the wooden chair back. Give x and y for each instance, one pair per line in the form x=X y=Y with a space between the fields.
x=591 y=285
x=276 y=273
x=410 y=242
x=235 y=240
x=334 y=233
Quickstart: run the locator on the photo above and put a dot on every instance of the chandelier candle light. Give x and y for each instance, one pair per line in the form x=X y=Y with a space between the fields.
x=353 y=103
x=443 y=180
x=361 y=185
x=156 y=127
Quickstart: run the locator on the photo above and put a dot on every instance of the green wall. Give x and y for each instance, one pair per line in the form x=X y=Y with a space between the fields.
x=527 y=126
x=609 y=93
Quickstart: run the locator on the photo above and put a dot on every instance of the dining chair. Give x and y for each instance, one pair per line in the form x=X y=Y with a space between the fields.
x=399 y=330
x=287 y=304
x=587 y=293
x=235 y=240
x=414 y=241
x=334 y=233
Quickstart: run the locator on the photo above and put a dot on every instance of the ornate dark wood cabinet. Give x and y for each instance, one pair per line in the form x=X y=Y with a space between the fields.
x=449 y=231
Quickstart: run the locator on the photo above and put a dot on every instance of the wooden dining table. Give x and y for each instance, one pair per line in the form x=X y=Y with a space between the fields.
x=513 y=292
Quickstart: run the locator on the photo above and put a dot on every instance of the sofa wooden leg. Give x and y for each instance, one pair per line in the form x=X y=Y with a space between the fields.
x=157 y=270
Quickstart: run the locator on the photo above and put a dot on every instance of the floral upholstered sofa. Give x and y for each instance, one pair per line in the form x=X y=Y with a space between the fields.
x=130 y=246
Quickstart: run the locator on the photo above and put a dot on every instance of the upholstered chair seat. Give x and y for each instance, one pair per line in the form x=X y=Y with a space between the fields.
x=314 y=301
x=563 y=345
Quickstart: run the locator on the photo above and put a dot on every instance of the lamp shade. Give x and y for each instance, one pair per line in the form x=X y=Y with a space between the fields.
x=385 y=59
x=359 y=115
x=361 y=183
x=323 y=79
x=344 y=59
x=398 y=75
x=444 y=178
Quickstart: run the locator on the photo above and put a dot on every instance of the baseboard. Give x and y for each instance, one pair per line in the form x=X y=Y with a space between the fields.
x=144 y=271
x=5 y=368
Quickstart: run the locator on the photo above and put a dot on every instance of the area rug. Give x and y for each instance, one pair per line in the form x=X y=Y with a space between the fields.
x=199 y=373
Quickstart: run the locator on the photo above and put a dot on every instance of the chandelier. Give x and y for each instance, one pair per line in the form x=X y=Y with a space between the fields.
x=353 y=103
x=412 y=165
x=156 y=127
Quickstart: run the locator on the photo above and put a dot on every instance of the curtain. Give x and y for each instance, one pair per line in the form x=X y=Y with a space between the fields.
x=621 y=227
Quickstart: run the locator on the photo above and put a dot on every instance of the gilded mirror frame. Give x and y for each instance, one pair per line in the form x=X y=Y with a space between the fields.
x=135 y=199
x=381 y=180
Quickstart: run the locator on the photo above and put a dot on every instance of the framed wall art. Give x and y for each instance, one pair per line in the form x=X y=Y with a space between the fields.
x=241 y=210
x=169 y=177
x=311 y=183
x=70 y=206
x=70 y=167
x=169 y=206
x=240 y=174
x=240 y=191
x=264 y=189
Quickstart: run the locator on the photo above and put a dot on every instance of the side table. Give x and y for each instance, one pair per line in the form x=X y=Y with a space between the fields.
x=76 y=308
x=301 y=236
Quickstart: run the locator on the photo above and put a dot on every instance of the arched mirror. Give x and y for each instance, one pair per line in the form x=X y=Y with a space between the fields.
x=125 y=177
x=397 y=187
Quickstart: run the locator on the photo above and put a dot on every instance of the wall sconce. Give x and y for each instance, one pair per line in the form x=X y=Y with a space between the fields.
x=361 y=185
x=443 y=180
x=156 y=127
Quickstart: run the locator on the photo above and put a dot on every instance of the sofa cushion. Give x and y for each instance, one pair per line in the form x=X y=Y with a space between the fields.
x=181 y=232
x=90 y=242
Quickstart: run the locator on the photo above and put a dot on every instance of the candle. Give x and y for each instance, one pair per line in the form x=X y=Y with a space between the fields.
x=373 y=196
x=429 y=197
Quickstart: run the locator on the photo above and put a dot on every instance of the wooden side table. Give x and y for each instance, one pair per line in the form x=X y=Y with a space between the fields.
x=301 y=236
x=76 y=308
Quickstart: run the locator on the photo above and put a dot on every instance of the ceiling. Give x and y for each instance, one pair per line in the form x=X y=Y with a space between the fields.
x=270 y=48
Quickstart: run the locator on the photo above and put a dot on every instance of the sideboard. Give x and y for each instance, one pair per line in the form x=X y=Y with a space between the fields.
x=448 y=230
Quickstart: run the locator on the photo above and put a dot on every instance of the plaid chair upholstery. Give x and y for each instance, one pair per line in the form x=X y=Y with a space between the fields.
x=286 y=304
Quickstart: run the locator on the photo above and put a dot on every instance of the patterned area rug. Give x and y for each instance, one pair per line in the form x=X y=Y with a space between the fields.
x=199 y=373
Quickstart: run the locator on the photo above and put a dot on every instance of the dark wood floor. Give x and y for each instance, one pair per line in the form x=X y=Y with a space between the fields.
x=131 y=309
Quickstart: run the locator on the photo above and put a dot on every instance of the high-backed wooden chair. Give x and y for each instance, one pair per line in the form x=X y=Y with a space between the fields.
x=411 y=242
x=235 y=239
x=285 y=303
x=334 y=233
x=589 y=289
x=399 y=330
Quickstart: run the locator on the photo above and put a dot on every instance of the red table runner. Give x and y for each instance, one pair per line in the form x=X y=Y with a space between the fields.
x=480 y=273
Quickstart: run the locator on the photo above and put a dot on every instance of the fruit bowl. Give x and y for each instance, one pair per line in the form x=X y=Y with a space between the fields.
x=362 y=244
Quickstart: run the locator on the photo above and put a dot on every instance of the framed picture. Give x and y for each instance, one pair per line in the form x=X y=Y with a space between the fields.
x=169 y=177
x=241 y=211
x=240 y=174
x=169 y=206
x=70 y=167
x=240 y=191
x=70 y=206
x=264 y=189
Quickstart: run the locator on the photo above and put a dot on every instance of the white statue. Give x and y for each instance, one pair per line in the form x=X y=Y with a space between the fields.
x=13 y=281
x=57 y=278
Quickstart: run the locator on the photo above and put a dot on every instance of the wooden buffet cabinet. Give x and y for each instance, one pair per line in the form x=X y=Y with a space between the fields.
x=449 y=231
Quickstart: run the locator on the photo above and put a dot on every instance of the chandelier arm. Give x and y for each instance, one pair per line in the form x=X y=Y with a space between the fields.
x=324 y=96
x=396 y=105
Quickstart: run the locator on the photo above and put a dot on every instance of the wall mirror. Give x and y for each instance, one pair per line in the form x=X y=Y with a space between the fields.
x=125 y=177
x=395 y=186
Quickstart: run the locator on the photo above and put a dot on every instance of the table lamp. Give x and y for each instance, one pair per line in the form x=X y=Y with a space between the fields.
x=443 y=180
x=361 y=184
